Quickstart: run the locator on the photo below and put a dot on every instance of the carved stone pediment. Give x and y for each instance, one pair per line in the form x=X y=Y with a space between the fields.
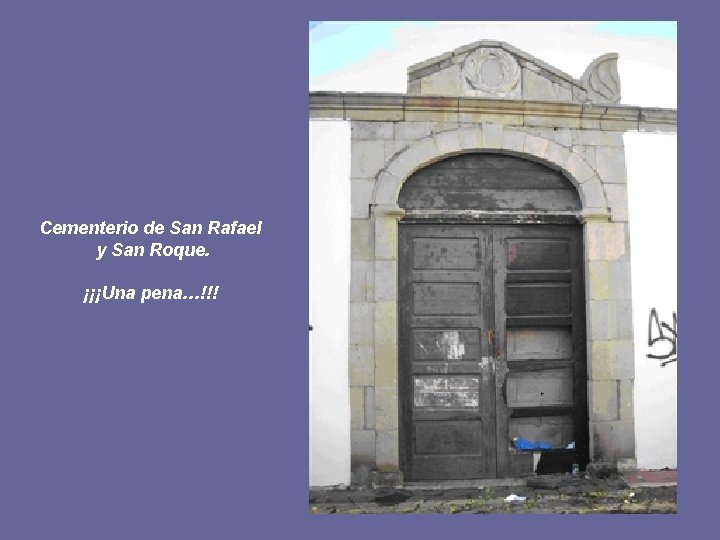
x=494 y=69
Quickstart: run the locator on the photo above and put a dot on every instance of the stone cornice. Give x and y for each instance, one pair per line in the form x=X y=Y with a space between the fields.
x=406 y=107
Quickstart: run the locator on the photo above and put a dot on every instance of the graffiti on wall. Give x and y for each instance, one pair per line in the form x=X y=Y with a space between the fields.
x=662 y=339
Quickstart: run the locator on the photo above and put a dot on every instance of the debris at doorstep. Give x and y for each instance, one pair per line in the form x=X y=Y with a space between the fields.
x=571 y=446
x=545 y=494
x=525 y=444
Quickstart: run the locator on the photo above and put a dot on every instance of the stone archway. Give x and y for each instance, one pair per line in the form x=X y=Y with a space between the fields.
x=611 y=435
x=490 y=137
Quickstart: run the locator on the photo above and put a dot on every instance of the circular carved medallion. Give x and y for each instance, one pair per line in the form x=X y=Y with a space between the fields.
x=491 y=71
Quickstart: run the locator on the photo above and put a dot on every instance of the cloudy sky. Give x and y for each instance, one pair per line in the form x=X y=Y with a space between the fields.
x=374 y=56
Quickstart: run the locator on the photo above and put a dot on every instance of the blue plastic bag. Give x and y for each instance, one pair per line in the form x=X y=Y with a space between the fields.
x=524 y=444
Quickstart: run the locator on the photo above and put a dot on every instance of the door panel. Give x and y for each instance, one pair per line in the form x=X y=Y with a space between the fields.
x=540 y=326
x=492 y=346
x=447 y=389
x=545 y=388
x=445 y=253
x=456 y=392
x=537 y=254
x=438 y=437
x=538 y=343
x=538 y=299
x=446 y=299
x=449 y=344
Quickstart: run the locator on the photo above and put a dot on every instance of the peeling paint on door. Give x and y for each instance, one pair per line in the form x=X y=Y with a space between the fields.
x=446 y=392
x=446 y=344
x=450 y=343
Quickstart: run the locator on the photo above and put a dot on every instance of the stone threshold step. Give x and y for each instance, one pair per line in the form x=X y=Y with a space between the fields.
x=462 y=484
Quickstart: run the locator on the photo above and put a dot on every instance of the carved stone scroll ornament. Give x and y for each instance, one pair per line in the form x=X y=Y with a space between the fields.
x=491 y=72
x=602 y=80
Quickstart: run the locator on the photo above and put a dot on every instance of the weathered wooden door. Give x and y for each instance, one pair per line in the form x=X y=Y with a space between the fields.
x=491 y=321
x=448 y=404
x=540 y=339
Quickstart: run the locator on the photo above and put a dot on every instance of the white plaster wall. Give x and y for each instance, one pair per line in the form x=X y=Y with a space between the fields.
x=329 y=293
x=652 y=193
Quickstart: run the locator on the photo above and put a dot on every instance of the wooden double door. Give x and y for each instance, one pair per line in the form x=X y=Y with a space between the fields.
x=491 y=347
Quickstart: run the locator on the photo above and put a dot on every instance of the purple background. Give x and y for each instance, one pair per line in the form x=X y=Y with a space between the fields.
x=189 y=420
